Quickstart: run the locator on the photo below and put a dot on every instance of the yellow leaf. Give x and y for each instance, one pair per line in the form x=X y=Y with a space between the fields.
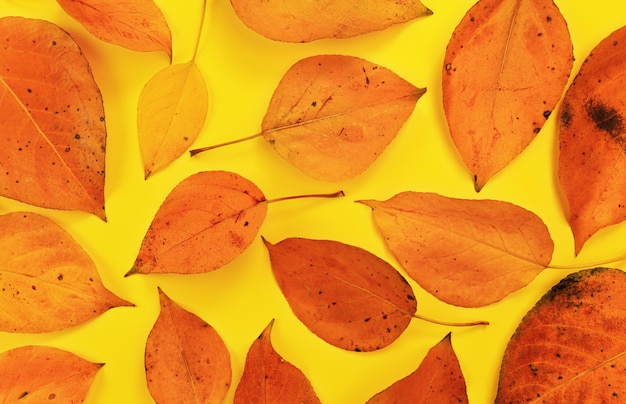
x=171 y=113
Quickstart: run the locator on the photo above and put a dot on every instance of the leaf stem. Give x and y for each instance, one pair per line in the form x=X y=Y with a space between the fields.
x=195 y=51
x=286 y=198
x=591 y=265
x=447 y=323
x=215 y=146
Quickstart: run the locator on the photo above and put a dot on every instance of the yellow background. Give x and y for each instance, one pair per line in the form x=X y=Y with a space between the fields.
x=242 y=69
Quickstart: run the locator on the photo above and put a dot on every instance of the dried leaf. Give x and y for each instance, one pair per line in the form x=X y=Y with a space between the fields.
x=134 y=24
x=331 y=116
x=465 y=252
x=171 y=113
x=438 y=379
x=305 y=21
x=345 y=295
x=570 y=348
x=505 y=69
x=52 y=130
x=37 y=374
x=592 y=167
x=47 y=281
x=268 y=378
x=186 y=360
x=207 y=220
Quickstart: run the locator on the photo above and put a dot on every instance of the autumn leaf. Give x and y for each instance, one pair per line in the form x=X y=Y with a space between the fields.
x=304 y=21
x=467 y=253
x=438 y=379
x=171 y=113
x=345 y=295
x=505 y=68
x=52 y=128
x=592 y=136
x=331 y=116
x=570 y=347
x=186 y=360
x=134 y=24
x=268 y=378
x=47 y=281
x=37 y=374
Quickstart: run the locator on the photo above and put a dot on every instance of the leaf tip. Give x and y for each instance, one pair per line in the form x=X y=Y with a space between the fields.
x=478 y=185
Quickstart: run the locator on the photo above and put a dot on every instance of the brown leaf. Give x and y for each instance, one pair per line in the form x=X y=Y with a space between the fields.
x=331 y=116
x=186 y=360
x=570 y=348
x=465 y=252
x=308 y=21
x=592 y=167
x=505 y=69
x=170 y=115
x=134 y=24
x=345 y=295
x=207 y=220
x=52 y=130
x=37 y=374
x=438 y=379
x=47 y=281
x=268 y=378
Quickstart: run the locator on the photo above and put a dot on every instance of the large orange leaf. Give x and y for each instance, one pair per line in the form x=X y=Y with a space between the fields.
x=171 y=113
x=438 y=379
x=592 y=166
x=571 y=347
x=134 y=24
x=207 y=220
x=186 y=359
x=304 y=21
x=505 y=68
x=347 y=296
x=52 y=130
x=47 y=281
x=465 y=252
x=37 y=374
x=268 y=378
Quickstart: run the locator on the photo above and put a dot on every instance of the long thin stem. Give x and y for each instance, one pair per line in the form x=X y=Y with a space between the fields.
x=590 y=265
x=286 y=198
x=215 y=146
x=195 y=51
x=452 y=324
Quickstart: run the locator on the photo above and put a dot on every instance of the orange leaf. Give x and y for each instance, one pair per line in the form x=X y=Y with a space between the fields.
x=134 y=24
x=331 y=116
x=305 y=21
x=186 y=360
x=438 y=379
x=52 y=130
x=170 y=115
x=345 y=295
x=465 y=252
x=592 y=167
x=505 y=69
x=36 y=374
x=571 y=347
x=268 y=378
x=47 y=281
x=207 y=220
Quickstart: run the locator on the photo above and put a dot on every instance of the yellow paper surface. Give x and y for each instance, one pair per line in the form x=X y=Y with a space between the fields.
x=241 y=69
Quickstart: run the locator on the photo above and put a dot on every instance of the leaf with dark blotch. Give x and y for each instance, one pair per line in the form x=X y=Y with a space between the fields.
x=134 y=24
x=306 y=21
x=505 y=68
x=37 y=374
x=186 y=360
x=592 y=136
x=465 y=252
x=205 y=222
x=570 y=347
x=268 y=378
x=47 y=281
x=438 y=379
x=345 y=295
x=52 y=130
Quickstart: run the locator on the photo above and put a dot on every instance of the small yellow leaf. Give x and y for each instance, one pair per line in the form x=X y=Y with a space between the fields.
x=171 y=113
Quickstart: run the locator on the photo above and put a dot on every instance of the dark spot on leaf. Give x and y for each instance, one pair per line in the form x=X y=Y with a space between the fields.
x=67 y=149
x=52 y=396
x=367 y=319
x=410 y=297
x=314 y=104
x=54 y=43
x=60 y=277
x=77 y=136
x=536 y=130
x=546 y=114
x=246 y=223
x=533 y=369
x=606 y=119
x=548 y=18
x=24 y=394
x=566 y=114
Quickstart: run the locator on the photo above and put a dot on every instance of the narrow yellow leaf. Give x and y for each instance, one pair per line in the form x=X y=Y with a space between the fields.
x=171 y=113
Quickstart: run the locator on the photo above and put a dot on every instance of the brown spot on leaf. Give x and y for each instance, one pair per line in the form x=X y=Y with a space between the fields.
x=606 y=119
